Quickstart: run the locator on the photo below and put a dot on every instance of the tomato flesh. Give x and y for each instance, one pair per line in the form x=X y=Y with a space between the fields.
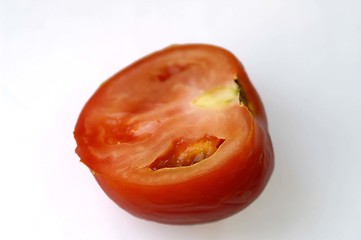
x=178 y=137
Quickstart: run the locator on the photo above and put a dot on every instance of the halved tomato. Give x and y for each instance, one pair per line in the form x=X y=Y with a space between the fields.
x=178 y=137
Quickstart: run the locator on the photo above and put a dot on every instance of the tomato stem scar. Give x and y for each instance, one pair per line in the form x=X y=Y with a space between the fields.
x=242 y=94
x=242 y=98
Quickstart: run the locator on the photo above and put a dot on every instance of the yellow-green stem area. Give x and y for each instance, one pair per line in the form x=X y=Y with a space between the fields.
x=218 y=97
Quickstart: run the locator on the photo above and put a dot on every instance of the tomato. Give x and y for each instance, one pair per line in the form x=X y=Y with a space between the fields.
x=178 y=137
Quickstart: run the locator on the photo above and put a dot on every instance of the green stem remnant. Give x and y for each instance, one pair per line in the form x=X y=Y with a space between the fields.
x=242 y=94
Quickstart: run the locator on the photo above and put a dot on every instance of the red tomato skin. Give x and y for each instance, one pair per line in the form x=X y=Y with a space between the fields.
x=220 y=194
x=214 y=196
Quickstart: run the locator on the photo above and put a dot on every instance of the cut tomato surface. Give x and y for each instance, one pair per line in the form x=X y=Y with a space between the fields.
x=178 y=137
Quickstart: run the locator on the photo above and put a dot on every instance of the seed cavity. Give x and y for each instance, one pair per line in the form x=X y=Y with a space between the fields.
x=186 y=152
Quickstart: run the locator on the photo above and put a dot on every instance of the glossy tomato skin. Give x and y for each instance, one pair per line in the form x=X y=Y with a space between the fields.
x=207 y=194
x=217 y=196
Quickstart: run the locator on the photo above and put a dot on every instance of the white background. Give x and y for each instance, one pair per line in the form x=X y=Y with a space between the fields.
x=304 y=57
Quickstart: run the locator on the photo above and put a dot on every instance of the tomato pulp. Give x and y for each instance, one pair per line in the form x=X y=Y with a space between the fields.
x=178 y=137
